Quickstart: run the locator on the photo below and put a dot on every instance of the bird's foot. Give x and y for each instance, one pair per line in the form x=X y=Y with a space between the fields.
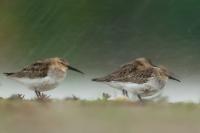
x=42 y=96
x=141 y=101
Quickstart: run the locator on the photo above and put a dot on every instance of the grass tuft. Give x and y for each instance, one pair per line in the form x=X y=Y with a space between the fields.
x=73 y=98
x=16 y=97
x=105 y=96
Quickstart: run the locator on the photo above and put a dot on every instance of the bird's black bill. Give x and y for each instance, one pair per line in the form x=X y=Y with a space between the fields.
x=173 y=78
x=74 y=69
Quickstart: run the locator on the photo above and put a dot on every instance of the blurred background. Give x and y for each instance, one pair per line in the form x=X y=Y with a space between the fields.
x=97 y=37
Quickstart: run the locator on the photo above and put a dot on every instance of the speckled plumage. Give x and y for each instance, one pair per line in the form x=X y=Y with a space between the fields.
x=35 y=70
x=140 y=77
x=43 y=75
x=129 y=73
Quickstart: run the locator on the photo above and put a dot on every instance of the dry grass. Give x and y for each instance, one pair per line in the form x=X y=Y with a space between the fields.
x=75 y=116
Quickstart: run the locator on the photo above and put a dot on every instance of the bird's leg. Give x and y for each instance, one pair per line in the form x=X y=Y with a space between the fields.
x=125 y=92
x=38 y=94
x=139 y=97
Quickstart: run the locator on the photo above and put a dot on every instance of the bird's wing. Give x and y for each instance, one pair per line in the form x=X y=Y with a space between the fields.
x=38 y=69
x=128 y=73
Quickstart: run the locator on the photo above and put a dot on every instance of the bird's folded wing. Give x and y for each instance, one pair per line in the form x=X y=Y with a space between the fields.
x=128 y=73
x=38 y=69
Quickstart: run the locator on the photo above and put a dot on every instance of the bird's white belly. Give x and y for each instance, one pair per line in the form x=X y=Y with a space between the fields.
x=150 y=88
x=40 y=84
x=124 y=85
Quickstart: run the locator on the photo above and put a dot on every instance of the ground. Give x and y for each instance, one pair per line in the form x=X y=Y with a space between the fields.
x=101 y=116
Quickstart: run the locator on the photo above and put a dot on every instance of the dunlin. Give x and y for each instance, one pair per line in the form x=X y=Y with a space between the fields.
x=139 y=77
x=43 y=75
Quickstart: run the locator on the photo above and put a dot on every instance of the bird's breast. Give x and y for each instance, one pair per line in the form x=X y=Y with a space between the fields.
x=57 y=74
x=156 y=83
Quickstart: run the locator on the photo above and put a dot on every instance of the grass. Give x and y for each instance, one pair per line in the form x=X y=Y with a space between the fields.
x=101 y=116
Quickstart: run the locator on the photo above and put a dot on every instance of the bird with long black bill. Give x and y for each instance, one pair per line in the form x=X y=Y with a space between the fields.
x=43 y=75
x=139 y=77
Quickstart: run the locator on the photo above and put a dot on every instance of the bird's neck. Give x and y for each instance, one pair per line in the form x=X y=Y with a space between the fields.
x=161 y=75
x=57 y=72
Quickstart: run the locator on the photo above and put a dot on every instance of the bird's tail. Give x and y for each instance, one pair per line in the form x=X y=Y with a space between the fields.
x=99 y=79
x=8 y=74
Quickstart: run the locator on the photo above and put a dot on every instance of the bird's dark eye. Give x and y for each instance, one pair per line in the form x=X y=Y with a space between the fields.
x=140 y=64
x=63 y=63
x=62 y=60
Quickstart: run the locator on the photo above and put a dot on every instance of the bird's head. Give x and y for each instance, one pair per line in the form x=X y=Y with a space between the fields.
x=168 y=73
x=143 y=63
x=66 y=64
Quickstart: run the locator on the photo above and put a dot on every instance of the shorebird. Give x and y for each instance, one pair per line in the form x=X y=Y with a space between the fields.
x=139 y=77
x=43 y=75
